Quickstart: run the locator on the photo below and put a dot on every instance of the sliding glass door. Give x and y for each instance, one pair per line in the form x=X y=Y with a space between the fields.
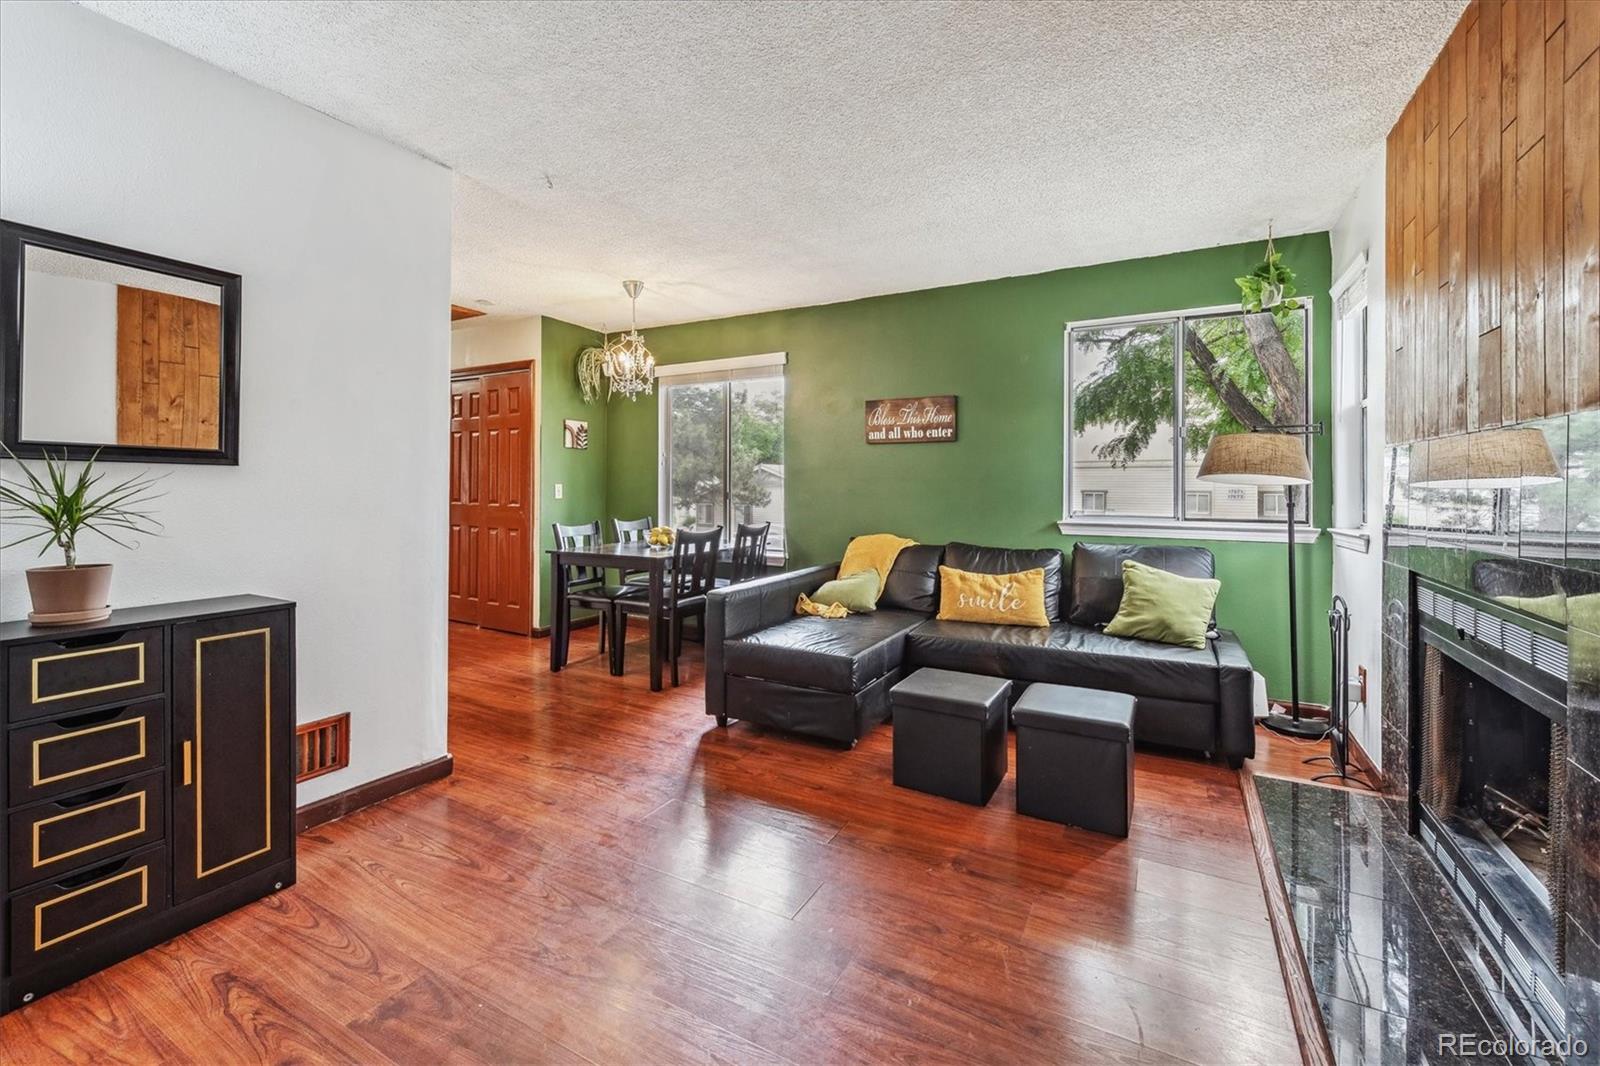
x=722 y=454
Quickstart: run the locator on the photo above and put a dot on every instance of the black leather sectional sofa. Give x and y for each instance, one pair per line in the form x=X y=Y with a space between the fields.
x=830 y=678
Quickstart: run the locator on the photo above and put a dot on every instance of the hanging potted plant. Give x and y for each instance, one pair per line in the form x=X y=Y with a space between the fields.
x=57 y=508
x=1270 y=284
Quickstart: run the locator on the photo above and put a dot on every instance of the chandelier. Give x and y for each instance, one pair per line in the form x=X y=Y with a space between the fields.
x=629 y=367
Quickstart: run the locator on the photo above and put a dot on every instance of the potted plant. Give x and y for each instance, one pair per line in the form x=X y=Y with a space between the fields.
x=57 y=508
x=1269 y=285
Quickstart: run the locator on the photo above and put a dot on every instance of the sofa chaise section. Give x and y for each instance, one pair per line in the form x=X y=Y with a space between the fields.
x=827 y=678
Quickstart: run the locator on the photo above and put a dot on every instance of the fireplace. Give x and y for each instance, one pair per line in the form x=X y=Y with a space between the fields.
x=1489 y=791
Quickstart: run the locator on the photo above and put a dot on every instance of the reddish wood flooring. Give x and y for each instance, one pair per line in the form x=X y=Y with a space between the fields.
x=608 y=877
x=1281 y=756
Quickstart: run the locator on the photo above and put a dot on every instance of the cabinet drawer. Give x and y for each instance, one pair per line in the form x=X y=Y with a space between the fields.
x=62 y=918
x=54 y=839
x=78 y=752
x=54 y=677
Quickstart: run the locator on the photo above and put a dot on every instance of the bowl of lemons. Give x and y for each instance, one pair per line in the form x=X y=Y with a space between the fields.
x=659 y=538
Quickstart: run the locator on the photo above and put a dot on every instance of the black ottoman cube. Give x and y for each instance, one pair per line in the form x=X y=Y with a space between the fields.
x=1075 y=757
x=950 y=734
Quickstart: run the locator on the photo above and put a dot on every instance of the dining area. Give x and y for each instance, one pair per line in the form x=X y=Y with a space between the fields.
x=643 y=571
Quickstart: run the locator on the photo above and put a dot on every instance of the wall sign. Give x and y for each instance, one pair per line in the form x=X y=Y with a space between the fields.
x=574 y=434
x=912 y=420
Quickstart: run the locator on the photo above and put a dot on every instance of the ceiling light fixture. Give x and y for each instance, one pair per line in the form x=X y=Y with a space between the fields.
x=629 y=367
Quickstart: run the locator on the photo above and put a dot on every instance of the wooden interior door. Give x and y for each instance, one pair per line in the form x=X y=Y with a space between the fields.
x=466 y=519
x=505 y=573
x=491 y=500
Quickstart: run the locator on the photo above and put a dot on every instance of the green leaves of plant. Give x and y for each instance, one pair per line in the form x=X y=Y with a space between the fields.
x=61 y=505
x=1269 y=286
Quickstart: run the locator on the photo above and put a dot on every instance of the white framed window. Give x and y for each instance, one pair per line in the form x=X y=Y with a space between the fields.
x=721 y=457
x=1352 y=416
x=1273 y=505
x=1145 y=394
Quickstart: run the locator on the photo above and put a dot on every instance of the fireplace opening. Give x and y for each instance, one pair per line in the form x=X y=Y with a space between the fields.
x=1490 y=803
x=1488 y=768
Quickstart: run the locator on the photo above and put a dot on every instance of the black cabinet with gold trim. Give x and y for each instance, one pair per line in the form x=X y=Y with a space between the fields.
x=148 y=781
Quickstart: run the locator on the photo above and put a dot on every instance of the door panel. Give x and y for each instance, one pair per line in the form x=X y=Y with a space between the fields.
x=505 y=574
x=232 y=689
x=466 y=523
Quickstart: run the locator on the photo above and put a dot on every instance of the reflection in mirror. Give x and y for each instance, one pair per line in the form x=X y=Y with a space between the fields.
x=116 y=355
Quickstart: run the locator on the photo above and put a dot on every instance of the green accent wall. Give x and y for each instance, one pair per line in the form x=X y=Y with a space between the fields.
x=581 y=474
x=997 y=345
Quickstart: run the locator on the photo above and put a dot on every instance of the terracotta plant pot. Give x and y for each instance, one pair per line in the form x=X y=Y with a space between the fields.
x=69 y=590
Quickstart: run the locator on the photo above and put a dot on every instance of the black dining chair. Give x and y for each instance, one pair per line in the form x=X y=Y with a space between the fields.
x=586 y=585
x=694 y=573
x=632 y=531
x=749 y=553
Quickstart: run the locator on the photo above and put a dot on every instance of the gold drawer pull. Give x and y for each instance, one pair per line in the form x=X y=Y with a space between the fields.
x=188 y=762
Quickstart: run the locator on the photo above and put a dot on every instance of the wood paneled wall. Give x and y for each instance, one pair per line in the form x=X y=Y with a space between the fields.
x=1493 y=224
x=168 y=369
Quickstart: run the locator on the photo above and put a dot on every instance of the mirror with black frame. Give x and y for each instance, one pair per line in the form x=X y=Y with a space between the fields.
x=116 y=352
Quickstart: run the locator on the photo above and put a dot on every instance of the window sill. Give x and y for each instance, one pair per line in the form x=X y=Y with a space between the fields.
x=1156 y=529
x=1356 y=540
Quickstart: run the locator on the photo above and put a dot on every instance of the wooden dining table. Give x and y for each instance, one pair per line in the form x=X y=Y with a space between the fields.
x=631 y=557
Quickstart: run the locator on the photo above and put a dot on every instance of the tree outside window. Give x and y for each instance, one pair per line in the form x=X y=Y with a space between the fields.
x=725 y=454
x=1132 y=383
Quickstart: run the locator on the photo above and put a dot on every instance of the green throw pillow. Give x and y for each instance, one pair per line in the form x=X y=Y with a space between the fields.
x=1160 y=606
x=857 y=593
x=1551 y=608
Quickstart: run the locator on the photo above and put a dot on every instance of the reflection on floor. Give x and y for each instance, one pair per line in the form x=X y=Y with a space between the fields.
x=1386 y=943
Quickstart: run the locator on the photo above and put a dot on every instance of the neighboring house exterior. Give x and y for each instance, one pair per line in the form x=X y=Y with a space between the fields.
x=1143 y=488
x=769 y=476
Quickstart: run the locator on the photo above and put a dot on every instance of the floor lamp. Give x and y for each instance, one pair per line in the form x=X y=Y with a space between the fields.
x=1275 y=456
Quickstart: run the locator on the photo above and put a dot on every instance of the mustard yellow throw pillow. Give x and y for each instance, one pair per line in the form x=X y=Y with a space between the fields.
x=998 y=599
x=1164 y=607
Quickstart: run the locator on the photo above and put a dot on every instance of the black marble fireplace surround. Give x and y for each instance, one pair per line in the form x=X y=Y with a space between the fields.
x=1388 y=953
x=1532 y=552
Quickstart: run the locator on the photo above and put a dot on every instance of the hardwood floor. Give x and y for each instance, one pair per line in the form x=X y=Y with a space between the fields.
x=608 y=877
x=1281 y=756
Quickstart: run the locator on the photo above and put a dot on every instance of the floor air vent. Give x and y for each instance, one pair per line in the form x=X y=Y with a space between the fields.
x=322 y=747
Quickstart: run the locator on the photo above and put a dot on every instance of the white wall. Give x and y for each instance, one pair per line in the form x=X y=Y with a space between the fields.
x=69 y=378
x=1358 y=576
x=492 y=339
x=343 y=242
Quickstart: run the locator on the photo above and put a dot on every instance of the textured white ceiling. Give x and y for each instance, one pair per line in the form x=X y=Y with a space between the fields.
x=744 y=156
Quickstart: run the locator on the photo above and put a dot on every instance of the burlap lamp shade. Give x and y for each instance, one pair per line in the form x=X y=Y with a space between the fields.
x=1493 y=459
x=1256 y=459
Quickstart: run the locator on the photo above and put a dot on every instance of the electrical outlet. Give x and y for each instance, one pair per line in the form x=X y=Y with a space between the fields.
x=558 y=490
x=1361 y=681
